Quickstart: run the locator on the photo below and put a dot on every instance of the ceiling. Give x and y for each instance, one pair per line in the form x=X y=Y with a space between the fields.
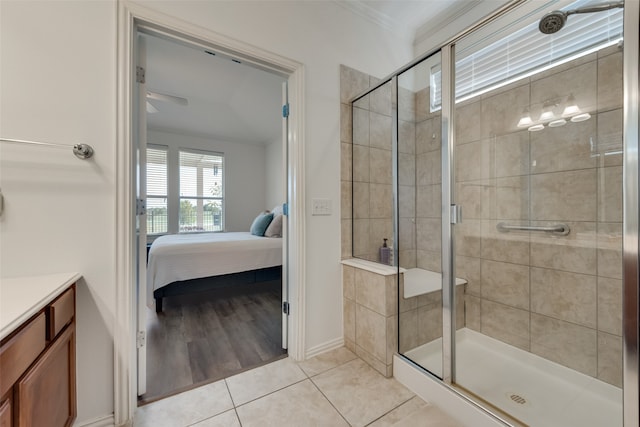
x=235 y=102
x=227 y=101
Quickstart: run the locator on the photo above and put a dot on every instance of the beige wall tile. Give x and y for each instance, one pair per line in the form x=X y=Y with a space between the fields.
x=501 y=113
x=346 y=157
x=422 y=105
x=361 y=200
x=469 y=196
x=467 y=235
x=610 y=81
x=429 y=168
x=405 y=304
x=360 y=237
x=349 y=282
x=376 y=292
x=406 y=169
x=610 y=359
x=352 y=82
x=380 y=99
x=429 y=135
x=350 y=345
x=381 y=200
x=574 y=252
x=346 y=123
x=406 y=104
x=512 y=198
x=610 y=194
x=407 y=258
x=408 y=333
x=380 y=229
x=361 y=132
x=512 y=154
x=468 y=122
x=345 y=200
x=610 y=305
x=407 y=233
x=505 y=283
x=371 y=360
x=430 y=299
x=428 y=232
x=564 y=296
x=581 y=81
x=563 y=148
x=512 y=246
x=472 y=312
x=361 y=163
x=564 y=196
x=429 y=260
x=565 y=343
x=475 y=160
x=407 y=137
x=392 y=338
x=371 y=330
x=349 y=313
x=507 y=324
x=380 y=131
x=429 y=201
x=429 y=323
x=468 y=268
x=345 y=232
x=391 y=296
x=407 y=201
x=609 y=140
x=381 y=166
x=610 y=250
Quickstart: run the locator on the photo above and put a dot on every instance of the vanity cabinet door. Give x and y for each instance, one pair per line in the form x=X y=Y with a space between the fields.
x=5 y=414
x=46 y=394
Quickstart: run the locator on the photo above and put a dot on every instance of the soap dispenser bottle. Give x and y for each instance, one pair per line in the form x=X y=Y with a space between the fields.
x=385 y=253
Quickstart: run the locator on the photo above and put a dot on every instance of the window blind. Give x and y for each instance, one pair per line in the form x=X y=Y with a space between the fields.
x=526 y=51
x=201 y=191
x=156 y=190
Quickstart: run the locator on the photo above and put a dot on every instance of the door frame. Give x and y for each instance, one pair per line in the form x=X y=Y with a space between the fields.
x=131 y=17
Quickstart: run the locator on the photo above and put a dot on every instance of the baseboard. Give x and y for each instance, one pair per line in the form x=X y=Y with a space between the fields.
x=105 y=421
x=324 y=347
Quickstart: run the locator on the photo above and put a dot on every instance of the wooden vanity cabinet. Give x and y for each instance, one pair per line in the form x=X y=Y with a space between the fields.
x=38 y=368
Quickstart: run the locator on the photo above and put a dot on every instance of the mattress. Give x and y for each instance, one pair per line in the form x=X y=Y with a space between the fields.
x=179 y=257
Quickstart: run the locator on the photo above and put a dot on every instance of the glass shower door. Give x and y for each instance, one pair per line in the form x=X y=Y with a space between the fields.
x=538 y=174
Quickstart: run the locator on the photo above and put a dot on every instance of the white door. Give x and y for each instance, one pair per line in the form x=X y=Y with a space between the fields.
x=285 y=234
x=140 y=105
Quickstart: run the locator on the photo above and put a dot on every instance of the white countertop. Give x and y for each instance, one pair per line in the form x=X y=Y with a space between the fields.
x=22 y=297
x=374 y=267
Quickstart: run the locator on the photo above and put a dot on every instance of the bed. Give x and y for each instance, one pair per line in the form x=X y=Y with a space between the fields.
x=184 y=263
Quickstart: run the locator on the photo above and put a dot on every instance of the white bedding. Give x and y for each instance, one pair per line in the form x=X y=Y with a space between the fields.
x=190 y=256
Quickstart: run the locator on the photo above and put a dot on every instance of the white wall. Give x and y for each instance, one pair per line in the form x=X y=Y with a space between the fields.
x=244 y=174
x=58 y=76
x=274 y=191
x=58 y=83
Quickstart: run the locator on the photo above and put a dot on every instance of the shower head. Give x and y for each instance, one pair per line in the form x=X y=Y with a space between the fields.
x=553 y=22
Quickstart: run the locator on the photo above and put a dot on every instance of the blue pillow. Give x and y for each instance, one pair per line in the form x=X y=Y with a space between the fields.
x=260 y=224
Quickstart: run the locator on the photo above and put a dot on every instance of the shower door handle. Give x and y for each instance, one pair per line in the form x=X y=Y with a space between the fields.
x=456 y=214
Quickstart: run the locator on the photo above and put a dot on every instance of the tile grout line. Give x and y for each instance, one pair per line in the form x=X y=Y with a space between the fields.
x=330 y=402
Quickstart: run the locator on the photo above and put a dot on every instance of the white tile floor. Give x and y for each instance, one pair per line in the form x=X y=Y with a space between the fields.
x=333 y=389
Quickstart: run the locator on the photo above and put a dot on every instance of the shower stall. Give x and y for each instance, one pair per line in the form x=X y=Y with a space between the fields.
x=502 y=170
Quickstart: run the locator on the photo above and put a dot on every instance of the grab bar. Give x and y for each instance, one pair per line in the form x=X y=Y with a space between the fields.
x=561 y=229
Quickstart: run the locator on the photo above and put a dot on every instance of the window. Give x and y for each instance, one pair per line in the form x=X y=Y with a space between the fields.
x=201 y=191
x=157 y=190
x=527 y=51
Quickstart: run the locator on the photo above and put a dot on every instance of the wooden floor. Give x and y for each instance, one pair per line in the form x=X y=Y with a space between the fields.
x=207 y=336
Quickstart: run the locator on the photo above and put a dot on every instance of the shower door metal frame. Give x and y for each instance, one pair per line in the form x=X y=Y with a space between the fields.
x=631 y=208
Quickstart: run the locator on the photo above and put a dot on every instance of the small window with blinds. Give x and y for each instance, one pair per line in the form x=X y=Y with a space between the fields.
x=201 y=191
x=527 y=51
x=157 y=190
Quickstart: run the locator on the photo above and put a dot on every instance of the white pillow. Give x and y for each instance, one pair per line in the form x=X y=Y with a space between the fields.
x=277 y=210
x=275 y=227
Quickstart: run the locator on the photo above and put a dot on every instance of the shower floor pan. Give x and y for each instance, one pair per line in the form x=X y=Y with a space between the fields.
x=530 y=388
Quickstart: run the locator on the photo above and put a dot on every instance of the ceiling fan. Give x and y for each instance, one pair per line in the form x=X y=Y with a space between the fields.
x=163 y=97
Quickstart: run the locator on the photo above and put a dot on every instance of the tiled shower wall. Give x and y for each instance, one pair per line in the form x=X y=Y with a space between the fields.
x=559 y=297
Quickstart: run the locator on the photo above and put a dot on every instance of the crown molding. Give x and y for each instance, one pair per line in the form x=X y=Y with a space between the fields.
x=444 y=20
x=365 y=11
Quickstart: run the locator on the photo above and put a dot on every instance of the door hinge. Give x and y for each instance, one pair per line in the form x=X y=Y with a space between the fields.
x=285 y=110
x=140 y=339
x=285 y=209
x=140 y=74
x=285 y=307
x=141 y=207
x=456 y=214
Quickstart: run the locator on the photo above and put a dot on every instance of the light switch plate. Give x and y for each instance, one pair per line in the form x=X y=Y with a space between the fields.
x=321 y=207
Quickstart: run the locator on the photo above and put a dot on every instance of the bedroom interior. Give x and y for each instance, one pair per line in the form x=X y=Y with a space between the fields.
x=214 y=272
